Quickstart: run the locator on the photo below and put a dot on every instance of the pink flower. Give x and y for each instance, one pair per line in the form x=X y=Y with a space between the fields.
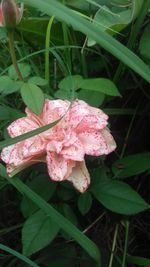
x=10 y=14
x=82 y=131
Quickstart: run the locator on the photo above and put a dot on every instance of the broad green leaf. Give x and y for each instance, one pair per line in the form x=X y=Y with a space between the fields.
x=84 y=203
x=8 y=113
x=94 y=99
x=9 y=86
x=66 y=94
x=38 y=231
x=33 y=97
x=145 y=43
x=101 y=85
x=140 y=261
x=119 y=197
x=71 y=82
x=132 y=165
x=24 y=68
x=5 y=83
x=44 y=187
x=38 y=81
x=113 y=46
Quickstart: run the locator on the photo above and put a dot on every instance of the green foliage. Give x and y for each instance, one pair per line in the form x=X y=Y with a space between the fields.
x=132 y=165
x=101 y=85
x=84 y=203
x=145 y=43
x=37 y=232
x=87 y=50
x=119 y=197
x=33 y=97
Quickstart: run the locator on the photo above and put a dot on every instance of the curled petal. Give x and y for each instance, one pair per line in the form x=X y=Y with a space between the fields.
x=57 y=166
x=92 y=122
x=111 y=144
x=21 y=126
x=74 y=151
x=80 y=176
x=95 y=143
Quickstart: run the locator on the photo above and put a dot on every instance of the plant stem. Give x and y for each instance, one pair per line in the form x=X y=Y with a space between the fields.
x=13 y=54
x=125 y=244
x=113 y=246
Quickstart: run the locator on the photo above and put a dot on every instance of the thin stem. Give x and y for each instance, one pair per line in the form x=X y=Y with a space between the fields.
x=128 y=132
x=13 y=54
x=47 y=45
x=125 y=244
x=113 y=246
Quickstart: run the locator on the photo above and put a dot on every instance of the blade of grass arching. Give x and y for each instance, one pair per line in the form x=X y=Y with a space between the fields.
x=63 y=13
x=18 y=255
x=47 y=44
x=134 y=33
x=87 y=244
x=11 y=141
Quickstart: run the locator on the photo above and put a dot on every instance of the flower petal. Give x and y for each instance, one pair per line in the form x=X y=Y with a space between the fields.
x=1 y=18
x=80 y=176
x=21 y=126
x=57 y=166
x=111 y=144
x=74 y=151
x=95 y=143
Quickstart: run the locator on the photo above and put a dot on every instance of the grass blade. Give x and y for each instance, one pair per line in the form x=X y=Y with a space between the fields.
x=106 y=41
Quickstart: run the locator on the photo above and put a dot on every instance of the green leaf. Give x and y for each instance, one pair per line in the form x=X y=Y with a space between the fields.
x=131 y=165
x=44 y=187
x=87 y=244
x=101 y=85
x=38 y=231
x=24 y=68
x=140 y=261
x=9 y=86
x=145 y=43
x=119 y=197
x=8 y=113
x=60 y=11
x=38 y=81
x=94 y=99
x=33 y=97
x=5 y=83
x=84 y=203
x=71 y=82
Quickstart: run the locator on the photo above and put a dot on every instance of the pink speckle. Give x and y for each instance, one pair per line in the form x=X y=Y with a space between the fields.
x=82 y=131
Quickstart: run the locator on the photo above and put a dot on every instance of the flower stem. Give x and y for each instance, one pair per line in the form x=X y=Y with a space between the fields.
x=13 y=54
x=113 y=246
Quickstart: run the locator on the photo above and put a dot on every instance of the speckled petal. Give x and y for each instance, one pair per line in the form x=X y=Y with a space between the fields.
x=111 y=144
x=12 y=155
x=74 y=151
x=21 y=126
x=80 y=176
x=94 y=143
x=57 y=166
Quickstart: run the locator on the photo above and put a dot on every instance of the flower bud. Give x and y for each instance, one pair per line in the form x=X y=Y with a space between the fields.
x=10 y=14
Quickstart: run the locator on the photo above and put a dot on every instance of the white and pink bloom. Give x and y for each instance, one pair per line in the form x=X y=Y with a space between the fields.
x=82 y=131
